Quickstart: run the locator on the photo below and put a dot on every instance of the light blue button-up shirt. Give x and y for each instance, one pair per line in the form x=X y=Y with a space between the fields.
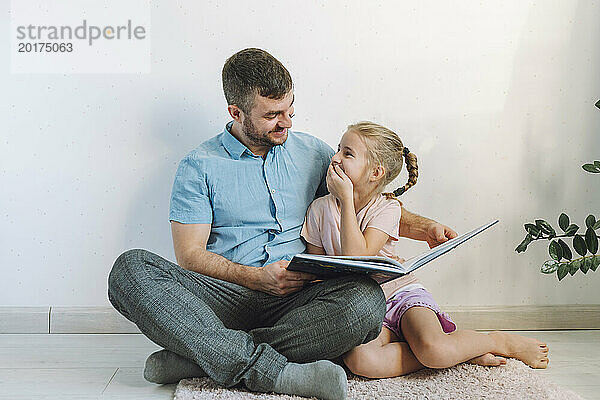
x=255 y=206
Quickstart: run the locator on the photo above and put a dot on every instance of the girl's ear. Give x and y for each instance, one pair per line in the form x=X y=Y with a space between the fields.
x=377 y=173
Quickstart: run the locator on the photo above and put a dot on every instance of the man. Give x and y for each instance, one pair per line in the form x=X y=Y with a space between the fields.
x=230 y=309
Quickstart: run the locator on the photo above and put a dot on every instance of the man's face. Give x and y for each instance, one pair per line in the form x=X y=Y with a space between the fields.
x=267 y=124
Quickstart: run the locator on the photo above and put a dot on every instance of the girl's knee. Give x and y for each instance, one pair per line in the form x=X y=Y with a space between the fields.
x=433 y=351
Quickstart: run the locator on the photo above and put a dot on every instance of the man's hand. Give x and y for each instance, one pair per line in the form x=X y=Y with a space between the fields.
x=278 y=281
x=339 y=184
x=438 y=234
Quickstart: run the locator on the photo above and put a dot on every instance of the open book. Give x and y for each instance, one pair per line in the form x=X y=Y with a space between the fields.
x=382 y=269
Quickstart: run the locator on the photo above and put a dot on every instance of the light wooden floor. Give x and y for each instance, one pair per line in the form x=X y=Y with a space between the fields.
x=62 y=366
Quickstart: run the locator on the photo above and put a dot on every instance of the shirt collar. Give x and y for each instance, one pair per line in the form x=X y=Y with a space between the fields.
x=234 y=147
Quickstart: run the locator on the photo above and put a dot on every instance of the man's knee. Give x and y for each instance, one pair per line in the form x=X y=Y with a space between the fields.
x=364 y=309
x=122 y=276
x=123 y=266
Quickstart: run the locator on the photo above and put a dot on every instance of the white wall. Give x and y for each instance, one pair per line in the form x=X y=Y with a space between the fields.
x=495 y=98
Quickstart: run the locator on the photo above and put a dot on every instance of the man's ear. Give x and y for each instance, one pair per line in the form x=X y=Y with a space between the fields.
x=377 y=173
x=235 y=112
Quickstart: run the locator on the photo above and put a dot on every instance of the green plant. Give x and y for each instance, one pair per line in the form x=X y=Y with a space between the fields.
x=585 y=245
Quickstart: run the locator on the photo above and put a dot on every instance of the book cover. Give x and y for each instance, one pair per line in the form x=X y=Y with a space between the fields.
x=382 y=269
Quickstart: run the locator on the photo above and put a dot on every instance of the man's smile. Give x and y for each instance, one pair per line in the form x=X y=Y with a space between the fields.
x=280 y=133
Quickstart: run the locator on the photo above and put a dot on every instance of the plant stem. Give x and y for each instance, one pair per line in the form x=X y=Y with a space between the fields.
x=580 y=258
x=555 y=237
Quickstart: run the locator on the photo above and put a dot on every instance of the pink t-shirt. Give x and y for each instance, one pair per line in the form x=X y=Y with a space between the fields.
x=322 y=224
x=322 y=228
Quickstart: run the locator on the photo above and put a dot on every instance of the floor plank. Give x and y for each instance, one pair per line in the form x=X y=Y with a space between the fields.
x=109 y=366
x=129 y=383
x=76 y=340
x=53 y=382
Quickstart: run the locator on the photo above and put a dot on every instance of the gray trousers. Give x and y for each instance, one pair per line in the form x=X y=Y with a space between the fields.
x=236 y=334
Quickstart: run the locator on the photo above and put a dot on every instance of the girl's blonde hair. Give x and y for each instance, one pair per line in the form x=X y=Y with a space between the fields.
x=386 y=149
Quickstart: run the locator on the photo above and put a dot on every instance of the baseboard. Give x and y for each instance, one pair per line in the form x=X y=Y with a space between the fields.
x=526 y=318
x=64 y=320
x=107 y=320
x=89 y=320
x=24 y=319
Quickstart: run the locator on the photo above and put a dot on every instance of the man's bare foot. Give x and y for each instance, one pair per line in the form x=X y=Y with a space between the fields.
x=531 y=351
x=488 y=360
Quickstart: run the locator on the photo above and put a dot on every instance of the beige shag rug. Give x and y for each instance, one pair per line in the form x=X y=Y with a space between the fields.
x=513 y=381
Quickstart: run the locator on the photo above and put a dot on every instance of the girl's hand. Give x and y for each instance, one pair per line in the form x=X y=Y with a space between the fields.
x=339 y=184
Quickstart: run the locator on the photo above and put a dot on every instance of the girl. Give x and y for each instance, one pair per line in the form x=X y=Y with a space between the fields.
x=356 y=218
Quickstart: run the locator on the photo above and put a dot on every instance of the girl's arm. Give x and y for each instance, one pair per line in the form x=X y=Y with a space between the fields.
x=312 y=249
x=353 y=241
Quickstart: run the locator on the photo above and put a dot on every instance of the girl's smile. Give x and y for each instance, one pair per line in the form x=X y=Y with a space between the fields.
x=352 y=157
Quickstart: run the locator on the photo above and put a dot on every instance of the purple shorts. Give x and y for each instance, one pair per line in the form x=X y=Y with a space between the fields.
x=399 y=303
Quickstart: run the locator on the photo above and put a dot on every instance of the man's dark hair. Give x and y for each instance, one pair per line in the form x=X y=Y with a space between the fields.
x=252 y=71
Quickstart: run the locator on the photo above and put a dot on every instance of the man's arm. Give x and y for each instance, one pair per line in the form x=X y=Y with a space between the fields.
x=415 y=227
x=189 y=242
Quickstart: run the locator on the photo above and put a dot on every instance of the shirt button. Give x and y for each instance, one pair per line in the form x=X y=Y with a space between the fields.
x=272 y=190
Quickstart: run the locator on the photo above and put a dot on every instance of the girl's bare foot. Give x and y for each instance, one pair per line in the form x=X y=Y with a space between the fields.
x=531 y=351
x=488 y=360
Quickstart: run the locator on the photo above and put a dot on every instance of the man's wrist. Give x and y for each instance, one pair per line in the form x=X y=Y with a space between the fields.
x=414 y=226
x=255 y=278
x=216 y=266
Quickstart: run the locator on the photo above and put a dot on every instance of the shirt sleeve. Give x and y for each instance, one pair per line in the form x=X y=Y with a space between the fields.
x=311 y=227
x=190 y=203
x=387 y=219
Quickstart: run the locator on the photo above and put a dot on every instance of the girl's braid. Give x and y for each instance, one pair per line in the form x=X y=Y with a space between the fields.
x=413 y=171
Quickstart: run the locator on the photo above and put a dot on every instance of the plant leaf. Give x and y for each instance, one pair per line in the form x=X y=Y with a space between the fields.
x=566 y=250
x=595 y=263
x=584 y=266
x=555 y=250
x=563 y=221
x=579 y=245
x=598 y=104
x=549 y=267
x=575 y=264
x=591 y=240
x=532 y=229
x=574 y=267
x=571 y=230
x=591 y=168
x=523 y=246
x=590 y=221
x=589 y=262
x=545 y=227
x=562 y=271
x=596 y=225
x=597 y=163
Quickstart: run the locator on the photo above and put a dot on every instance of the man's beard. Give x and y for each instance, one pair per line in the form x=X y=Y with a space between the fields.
x=257 y=139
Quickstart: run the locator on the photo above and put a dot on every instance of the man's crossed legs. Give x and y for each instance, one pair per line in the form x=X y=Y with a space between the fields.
x=235 y=334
